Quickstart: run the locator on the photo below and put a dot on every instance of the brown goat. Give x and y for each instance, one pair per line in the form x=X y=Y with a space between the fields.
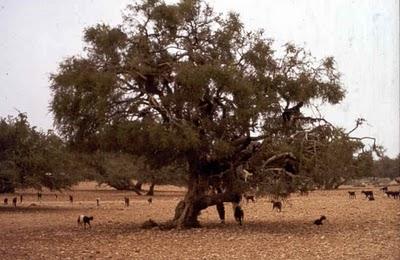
x=352 y=194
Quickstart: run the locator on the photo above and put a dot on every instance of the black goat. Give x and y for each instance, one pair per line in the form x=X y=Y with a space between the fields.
x=371 y=198
x=126 y=200
x=82 y=219
x=71 y=199
x=352 y=194
x=276 y=205
x=5 y=201
x=14 y=201
x=150 y=200
x=367 y=193
x=303 y=192
x=238 y=213
x=39 y=196
x=384 y=189
x=98 y=202
x=394 y=194
x=320 y=220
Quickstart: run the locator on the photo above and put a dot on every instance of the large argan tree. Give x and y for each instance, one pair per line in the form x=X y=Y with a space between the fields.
x=180 y=84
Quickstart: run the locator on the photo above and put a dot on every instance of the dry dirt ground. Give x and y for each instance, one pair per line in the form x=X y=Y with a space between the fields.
x=356 y=228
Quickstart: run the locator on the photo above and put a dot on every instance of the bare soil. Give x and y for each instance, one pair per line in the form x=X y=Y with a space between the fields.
x=356 y=228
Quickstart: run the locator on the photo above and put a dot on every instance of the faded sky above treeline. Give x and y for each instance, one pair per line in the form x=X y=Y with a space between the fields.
x=362 y=35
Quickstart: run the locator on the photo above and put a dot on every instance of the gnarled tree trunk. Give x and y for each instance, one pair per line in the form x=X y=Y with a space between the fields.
x=191 y=207
x=197 y=199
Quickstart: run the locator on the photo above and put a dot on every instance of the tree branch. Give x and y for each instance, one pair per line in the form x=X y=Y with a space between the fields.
x=359 y=122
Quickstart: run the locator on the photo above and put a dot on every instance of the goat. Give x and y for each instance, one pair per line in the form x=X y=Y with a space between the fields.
x=246 y=174
x=319 y=221
x=14 y=201
x=71 y=199
x=352 y=194
x=5 y=201
x=238 y=213
x=384 y=189
x=150 y=200
x=371 y=198
x=249 y=197
x=303 y=192
x=367 y=193
x=394 y=194
x=276 y=205
x=98 y=201
x=85 y=220
x=21 y=197
x=39 y=196
x=126 y=199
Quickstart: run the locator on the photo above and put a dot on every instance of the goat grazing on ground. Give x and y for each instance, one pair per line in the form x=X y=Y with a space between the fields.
x=303 y=192
x=352 y=194
x=320 y=220
x=5 y=201
x=98 y=202
x=276 y=205
x=150 y=200
x=238 y=213
x=71 y=199
x=249 y=197
x=39 y=196
x=394 y=194
x=367 y=193
x=126 y=199
x=82 y=219
x=14 y=201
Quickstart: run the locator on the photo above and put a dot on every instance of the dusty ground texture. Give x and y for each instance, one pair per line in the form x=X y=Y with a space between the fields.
x=356 y=228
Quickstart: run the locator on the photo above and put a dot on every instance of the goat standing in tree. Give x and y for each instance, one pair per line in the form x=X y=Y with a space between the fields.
x=289 y=114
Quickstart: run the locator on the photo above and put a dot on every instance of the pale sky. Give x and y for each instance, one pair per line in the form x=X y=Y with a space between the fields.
x=362 y=35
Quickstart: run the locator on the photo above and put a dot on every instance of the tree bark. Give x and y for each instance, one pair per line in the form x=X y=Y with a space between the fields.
x=197 y=199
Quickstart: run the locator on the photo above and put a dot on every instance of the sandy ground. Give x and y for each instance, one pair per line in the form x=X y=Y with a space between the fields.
x=356 y=228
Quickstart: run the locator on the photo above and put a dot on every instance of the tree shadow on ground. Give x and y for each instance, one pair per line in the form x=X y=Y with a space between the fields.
x=36 y=208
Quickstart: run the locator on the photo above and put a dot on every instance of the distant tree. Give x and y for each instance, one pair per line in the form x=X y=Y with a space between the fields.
x=180 y=85
x=114 y=169
x=119 y=170
x=387 y=167
x=30 y=158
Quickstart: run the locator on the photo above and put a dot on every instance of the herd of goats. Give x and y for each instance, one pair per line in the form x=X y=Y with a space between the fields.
x=238 y=212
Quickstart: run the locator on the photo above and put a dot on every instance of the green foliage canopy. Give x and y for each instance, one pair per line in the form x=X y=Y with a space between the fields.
x=179 y=82
x=30 y=158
